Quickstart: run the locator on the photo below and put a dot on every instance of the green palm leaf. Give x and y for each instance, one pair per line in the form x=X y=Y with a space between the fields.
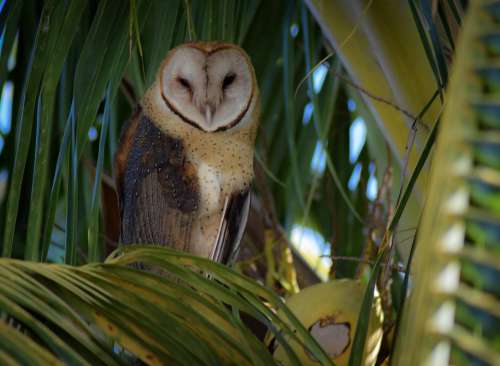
x=82 y=314
x=452 y=314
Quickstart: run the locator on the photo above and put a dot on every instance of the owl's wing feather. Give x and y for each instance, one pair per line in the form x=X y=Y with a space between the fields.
x=124 y=147
x=157 y=187
x=232 y=227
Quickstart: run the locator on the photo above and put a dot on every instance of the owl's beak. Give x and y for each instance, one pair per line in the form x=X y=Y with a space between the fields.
x=209 y=113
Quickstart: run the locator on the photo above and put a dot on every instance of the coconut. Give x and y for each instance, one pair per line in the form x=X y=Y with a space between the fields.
x=330 y=312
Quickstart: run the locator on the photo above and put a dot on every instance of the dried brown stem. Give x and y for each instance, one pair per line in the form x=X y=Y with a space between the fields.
x=398 y=268
x=382 y=100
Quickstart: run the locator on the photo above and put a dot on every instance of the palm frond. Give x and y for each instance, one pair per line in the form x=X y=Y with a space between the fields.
x=452 y=310
x=82 y=315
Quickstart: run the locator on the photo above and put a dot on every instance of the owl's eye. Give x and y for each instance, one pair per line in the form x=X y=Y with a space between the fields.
x=184 y=83
x=228 y=80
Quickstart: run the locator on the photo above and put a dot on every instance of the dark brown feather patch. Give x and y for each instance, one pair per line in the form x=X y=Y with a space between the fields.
x=157 y=187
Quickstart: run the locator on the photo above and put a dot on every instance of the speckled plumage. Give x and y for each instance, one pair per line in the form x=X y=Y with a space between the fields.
x=178 y=182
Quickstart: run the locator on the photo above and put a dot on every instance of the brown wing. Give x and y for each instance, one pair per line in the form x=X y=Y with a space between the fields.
x=157 y=188
x=232 y=227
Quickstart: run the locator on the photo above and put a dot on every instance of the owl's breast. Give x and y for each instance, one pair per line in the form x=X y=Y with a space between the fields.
x=210 y=183
x=215 y=185
x=221 y=172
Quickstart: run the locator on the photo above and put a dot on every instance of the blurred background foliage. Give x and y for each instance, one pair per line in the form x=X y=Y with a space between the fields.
x=352 y=93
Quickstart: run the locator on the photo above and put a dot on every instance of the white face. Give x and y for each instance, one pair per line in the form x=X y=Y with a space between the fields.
x=209 y=90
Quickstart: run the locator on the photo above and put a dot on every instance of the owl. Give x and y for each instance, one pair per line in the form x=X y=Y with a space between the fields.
x=185 y=159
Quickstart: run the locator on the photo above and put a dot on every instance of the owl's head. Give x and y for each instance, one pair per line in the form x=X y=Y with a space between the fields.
x=208 y=85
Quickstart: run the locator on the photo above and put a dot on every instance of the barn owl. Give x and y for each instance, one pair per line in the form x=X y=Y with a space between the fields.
x=185 y=159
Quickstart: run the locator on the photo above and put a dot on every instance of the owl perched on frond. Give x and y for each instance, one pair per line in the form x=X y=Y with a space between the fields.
x=185 y=160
